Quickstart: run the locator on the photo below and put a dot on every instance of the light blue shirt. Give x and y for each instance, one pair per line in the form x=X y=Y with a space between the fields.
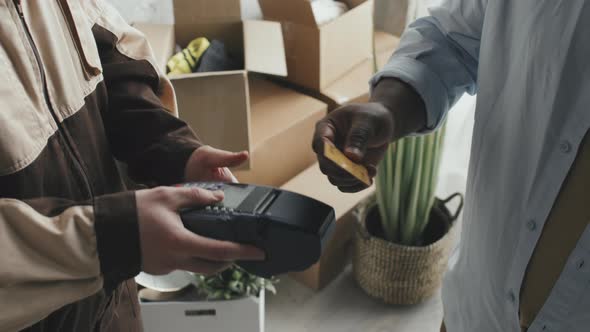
x=529 y=63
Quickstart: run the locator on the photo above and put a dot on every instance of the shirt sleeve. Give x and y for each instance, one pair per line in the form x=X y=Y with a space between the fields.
x=438 y=56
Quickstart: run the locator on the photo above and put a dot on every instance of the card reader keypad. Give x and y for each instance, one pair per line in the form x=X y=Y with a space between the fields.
x=212 y=186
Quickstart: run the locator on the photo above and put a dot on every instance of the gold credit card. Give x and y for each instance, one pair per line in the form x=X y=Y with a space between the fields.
x=358 y=171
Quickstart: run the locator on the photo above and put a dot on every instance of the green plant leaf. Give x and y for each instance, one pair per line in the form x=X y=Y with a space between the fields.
x=234 y=282
x=270 y=287
x=407 y=178
x=237 y=274
x=423 y=207
x=406 y=182
x=236 y=286
x=410 y=223
x=217 y=294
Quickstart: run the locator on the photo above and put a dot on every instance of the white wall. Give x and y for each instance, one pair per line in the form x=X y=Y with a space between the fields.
x=156 y=11
x=390 y=15
x=160 y=11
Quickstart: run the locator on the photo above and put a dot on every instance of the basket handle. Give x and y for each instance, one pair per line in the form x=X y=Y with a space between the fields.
x=461 y=203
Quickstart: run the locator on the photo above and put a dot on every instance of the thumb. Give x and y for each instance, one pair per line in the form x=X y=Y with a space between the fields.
x=194 y=197
x=357 y=139
x=221 y=158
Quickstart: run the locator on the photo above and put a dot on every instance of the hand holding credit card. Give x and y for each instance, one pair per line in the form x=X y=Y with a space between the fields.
x=360 y=172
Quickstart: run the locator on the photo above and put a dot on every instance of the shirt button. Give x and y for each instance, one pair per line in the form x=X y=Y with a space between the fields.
x=531 y=225
x=565 y=147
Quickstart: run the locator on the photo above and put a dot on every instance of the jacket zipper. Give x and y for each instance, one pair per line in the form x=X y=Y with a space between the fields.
x=60 y=128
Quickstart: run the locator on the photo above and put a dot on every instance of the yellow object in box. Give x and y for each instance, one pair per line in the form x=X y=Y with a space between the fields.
x=187 y=60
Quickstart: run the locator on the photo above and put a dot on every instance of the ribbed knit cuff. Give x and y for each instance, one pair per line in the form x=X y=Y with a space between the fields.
x=117 y=236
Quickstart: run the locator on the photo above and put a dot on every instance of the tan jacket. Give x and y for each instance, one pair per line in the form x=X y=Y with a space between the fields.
x=78 y=90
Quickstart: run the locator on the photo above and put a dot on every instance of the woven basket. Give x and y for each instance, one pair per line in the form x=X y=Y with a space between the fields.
x=399 y=274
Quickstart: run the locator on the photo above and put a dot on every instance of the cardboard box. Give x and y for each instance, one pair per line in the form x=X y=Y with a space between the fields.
x=216 y=104
x=317 y=56
x=283 y=122
x=353 y=87
x=385 y=45
x=336 y=254
x=245 y=315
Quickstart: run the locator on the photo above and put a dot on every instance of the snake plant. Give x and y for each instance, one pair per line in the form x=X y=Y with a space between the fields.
x=406 y=180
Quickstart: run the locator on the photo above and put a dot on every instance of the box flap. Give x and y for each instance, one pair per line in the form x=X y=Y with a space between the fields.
x=338 y=55
x=302 y=48
x=295 y=11
x=264 y=48
x=353 y=86
x=274 y=109
x=161 y=39
x=283 y=122
x=204 y=11
x=220 y=119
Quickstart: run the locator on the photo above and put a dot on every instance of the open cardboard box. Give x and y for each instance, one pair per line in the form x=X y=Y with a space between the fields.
x=336 y=255
x=317 y=56
x=283 y=123
x=217 y=104
x=353 y=87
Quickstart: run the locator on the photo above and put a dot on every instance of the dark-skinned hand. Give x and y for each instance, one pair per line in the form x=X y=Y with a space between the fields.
x=364 y=131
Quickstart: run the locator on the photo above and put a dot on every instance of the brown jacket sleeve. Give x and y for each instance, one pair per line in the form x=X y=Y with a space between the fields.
x=59 y=251
x=140 y=121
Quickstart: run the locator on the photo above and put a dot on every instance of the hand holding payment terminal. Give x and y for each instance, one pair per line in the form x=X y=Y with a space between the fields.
x=290 y=228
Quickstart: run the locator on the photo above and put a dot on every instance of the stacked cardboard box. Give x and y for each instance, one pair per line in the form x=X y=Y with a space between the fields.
x=201 y=102
x=283 y=122
x=318 y=55
x=332 y=62
x=353 y=87
x=241 y=110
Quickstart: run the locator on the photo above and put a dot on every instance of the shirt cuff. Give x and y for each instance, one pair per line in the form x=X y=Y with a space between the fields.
x=426 y=83
x=117 y=237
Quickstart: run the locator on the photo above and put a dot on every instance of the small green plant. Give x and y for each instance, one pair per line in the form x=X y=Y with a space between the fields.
x=233 y=283
x=406 y=180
